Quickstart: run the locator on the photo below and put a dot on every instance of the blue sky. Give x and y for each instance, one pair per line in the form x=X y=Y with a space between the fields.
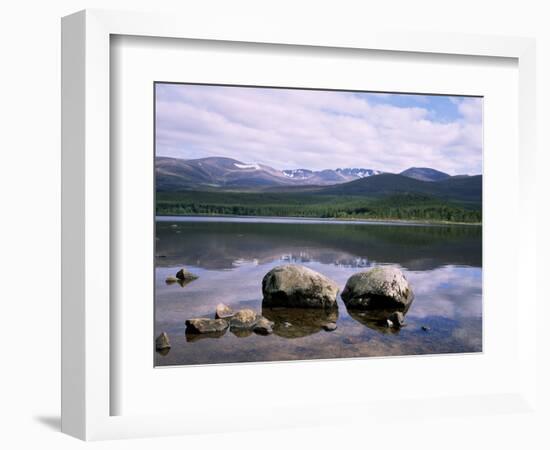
x=290 y=128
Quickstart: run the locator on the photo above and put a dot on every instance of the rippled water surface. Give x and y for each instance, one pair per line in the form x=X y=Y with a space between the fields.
x=231 y=256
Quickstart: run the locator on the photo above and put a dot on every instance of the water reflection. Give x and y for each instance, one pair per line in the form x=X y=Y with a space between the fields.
x=293 y=323
x=227 y=245
x=194 y=337
x=181 y=283
x=376 y=319
x=443 y=265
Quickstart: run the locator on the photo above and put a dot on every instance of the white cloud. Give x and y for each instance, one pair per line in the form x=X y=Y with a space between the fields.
x=314 y=129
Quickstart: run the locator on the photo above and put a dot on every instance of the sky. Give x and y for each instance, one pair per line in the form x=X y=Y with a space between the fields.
x=316 y=129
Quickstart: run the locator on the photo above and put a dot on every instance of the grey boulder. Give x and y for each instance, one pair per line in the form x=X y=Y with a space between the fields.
x=295 y=286
x=378 y=288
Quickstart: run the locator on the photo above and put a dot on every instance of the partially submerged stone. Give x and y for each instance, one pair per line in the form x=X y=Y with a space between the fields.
x=162 y=342
x=224 y=311
x=204 y=325
x=331 y=326
x=378 y=288
x=171 y=279
x=244 y=319
x=263 y=326
x=295 y=286
x=183 y=274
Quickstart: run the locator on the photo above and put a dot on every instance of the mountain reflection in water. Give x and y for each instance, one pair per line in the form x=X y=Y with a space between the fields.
x=443 y=264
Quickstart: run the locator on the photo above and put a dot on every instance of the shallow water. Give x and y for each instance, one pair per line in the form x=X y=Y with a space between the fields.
x=231 y=256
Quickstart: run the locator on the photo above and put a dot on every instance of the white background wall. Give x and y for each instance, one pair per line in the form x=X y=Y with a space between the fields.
x=30 y=189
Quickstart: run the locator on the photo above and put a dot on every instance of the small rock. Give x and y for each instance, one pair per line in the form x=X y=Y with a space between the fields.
x=184 y=274
x=424 y=328
x=398 y=319
x=330 y=326
x=203 y=325
x=389 y=323
x=162 y=342
x=244 y=319
x=263 y=326
x=171 y=280
x=223 y=311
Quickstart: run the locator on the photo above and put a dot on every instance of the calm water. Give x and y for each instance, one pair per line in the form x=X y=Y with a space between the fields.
x=231 y=256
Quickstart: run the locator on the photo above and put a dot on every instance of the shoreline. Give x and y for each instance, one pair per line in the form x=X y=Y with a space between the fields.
x=324 y=220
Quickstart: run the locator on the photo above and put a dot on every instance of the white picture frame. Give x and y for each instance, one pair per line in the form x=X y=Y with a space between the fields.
x=86 y=218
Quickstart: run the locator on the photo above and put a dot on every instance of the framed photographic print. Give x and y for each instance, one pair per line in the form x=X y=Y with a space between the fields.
x=270 y=213
x=297 y=224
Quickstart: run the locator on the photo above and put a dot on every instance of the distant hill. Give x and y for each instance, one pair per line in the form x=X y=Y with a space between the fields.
x=425 y=174
x=461 y=189
x=173 y=174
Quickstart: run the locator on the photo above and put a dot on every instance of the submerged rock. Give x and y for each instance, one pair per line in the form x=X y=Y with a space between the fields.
x=295 y=286
x=378 y=288
x=224 y=311
x=162 y=342
x=204 y=325
x=184 y=275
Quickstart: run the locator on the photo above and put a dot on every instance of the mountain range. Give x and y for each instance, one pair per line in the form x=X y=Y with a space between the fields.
x=225 y=186
x=173 y=174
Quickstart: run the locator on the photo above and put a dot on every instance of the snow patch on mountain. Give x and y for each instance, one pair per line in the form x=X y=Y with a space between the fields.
x=358 y=172
x=247 y=166
x=299 y=174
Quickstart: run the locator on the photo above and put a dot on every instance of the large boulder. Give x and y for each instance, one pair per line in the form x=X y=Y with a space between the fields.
x=379 y=288
x=294 y=286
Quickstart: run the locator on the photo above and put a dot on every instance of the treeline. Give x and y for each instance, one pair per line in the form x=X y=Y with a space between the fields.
x=400 y=207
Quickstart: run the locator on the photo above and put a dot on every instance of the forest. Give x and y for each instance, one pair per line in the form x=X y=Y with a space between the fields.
x=404 y=206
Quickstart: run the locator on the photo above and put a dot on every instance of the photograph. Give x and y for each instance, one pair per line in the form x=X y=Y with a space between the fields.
x=297 y=224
